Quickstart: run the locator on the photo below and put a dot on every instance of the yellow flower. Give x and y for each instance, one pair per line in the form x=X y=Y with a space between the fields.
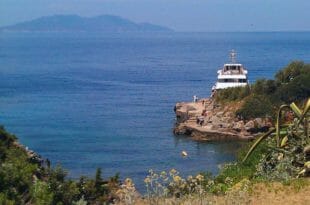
x=128 y=182
x=147 y=180
x=182 y=186
x=177 y=178
x=173 y=172
x=199 y=177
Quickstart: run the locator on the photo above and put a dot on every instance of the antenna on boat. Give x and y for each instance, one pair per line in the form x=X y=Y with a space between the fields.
x=233 y=55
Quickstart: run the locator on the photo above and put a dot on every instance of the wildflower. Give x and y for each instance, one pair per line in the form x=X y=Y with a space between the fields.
x=147 y=180
x=163 y=174
x=228 y=180
x=177 y=178
x=210 y=182
x=128 y=182
x=173 y=172
x=200 y=177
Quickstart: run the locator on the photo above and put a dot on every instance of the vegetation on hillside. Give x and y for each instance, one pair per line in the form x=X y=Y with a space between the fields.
x=24 y=180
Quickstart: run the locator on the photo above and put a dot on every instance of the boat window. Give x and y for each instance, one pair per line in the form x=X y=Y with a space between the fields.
x=232 y=80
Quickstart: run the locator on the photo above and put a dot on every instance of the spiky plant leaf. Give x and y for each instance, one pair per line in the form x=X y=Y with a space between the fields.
x=271 y=130
x=304 y=112
x=302 y=172
x=284 y=141
x=295 y=109
x=278 y=123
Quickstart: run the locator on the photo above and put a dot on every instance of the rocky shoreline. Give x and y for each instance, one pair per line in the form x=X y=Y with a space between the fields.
x=205 y=120
x=32 y=155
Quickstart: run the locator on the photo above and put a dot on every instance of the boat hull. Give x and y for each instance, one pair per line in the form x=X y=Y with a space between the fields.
x=220 y=86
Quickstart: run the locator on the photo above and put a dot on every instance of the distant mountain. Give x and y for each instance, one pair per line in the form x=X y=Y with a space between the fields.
x=103 y=23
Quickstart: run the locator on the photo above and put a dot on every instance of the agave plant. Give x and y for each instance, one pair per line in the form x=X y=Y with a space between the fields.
x=291 y=135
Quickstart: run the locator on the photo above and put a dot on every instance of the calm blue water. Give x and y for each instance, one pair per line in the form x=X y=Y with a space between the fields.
x=88 y=101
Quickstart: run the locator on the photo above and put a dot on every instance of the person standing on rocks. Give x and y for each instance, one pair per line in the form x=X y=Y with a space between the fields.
x=195 y=98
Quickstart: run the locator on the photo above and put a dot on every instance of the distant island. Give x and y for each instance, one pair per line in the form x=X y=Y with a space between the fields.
x=67 y=23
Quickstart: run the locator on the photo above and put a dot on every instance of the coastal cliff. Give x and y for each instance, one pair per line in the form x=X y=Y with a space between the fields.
x=206 y=120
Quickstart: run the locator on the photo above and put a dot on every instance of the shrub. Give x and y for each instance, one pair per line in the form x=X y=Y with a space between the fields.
x=298 y=89
x=239 y=170
x=41 y=193
x=288 y=73
x=232 y=94
x=264 y=87
x=255 y=106
x=25 y=181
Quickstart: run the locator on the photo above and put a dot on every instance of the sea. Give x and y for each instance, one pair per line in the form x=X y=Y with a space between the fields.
x=99 y=100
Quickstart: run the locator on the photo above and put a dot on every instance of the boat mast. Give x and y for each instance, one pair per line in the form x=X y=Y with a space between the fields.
x=233 y=56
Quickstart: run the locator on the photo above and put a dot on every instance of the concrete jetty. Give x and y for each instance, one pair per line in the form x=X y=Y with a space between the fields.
x=205 y=120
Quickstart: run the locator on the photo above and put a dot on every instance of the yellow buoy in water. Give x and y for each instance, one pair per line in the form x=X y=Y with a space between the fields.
x=184 y=154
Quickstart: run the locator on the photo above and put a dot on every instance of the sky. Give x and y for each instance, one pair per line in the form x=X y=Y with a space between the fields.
x=180 y=15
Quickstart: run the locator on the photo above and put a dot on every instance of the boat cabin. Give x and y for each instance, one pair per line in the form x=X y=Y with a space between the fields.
x=231 y=75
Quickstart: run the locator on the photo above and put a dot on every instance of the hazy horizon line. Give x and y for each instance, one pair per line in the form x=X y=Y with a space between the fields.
x=173 y=29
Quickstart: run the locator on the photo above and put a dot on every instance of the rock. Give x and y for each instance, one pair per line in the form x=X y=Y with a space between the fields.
x=225 y=119
x=181 y=116
x=229 y=114
x=219 y=114
x=224 y=125
x=218 y=123
x=190 y=107
x=249 y=125
x=209 y=127
x=259 y=122
x=238 y=126
x=268 y=122
x=184 y=112
x=215 y=120
x=180 y=130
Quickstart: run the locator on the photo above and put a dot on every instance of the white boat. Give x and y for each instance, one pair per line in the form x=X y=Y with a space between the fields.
x=231 y=75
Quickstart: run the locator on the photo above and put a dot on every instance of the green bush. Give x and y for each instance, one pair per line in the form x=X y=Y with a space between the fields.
x=264 y=87
x=291 y=71
x=232 y=94
x=255 y=106
x=24 y=181
x=5 y=201
x=41 y=193
x=239 y=170
x=298 y=89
